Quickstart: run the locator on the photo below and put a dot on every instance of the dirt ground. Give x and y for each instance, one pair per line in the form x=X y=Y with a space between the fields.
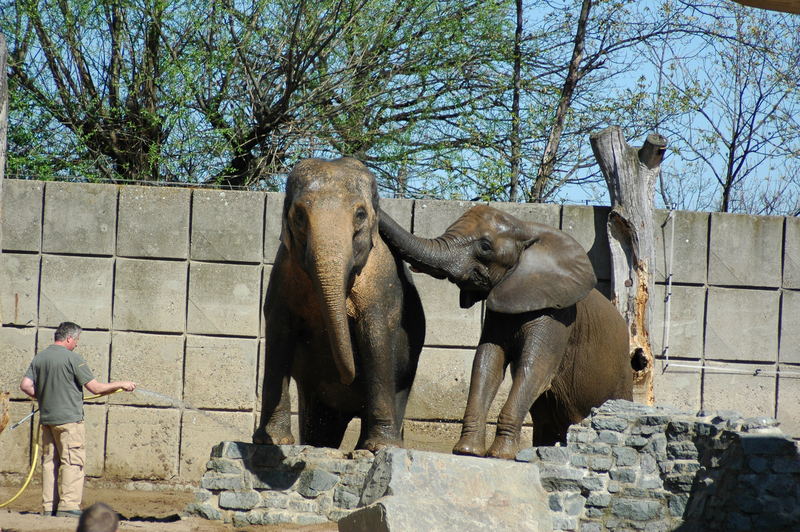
x=143 y=511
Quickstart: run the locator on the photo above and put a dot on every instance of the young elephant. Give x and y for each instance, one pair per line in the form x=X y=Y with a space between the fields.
x=567 y=344
x=342 y=316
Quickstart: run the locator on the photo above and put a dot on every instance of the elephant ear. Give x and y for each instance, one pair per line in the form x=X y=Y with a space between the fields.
x=553 y=271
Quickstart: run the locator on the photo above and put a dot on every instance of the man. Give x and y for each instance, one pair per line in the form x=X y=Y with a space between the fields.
x=55 y=378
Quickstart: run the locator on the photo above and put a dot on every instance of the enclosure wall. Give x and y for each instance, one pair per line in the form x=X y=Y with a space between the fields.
x=168 y=284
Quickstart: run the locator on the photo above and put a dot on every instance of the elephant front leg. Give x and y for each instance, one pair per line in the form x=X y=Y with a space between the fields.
x=532 y=371
x=378 y=359
x=274 y=426
x=487 y=374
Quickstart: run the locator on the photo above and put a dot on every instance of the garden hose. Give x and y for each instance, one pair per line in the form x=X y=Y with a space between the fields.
x=35 y=456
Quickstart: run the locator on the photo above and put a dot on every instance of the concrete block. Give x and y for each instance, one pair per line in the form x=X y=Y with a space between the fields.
x=676 y=386
x=541 y=213
x=80 y=218
x=788 y=399
x=76 y=289
x=432 y=218
x=142 y=443
x=265 y=273
x=15 y=444
x=224 y=299
x=201 y=430
x=22 y=214
x=442 y=384
x=401 y=211
x=738 y=242
x=153 y=222
x=93 y=346
x=790 y=328
x=746 y=392
x=94 y=419
x=446 y=323
x=19 y=288
x=220 y=372
x=17 y=348
x=154 y=362
x=587 y=225
x=686 y=317
x=272 y=225
x=741 y=324
x=687 y=247
x=227 y=225
x=150 y=295
x=791 y=254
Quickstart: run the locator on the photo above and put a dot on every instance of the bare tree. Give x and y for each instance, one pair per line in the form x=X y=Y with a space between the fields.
x=740 y=128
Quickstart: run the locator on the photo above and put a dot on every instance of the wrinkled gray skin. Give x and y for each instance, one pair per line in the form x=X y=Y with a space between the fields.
x=567 y=345
x=342 y=316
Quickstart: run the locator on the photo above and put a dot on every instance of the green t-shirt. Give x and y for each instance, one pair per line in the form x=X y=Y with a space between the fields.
x=58 y=376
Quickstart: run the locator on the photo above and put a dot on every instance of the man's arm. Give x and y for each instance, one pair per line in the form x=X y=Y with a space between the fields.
x=103 y=388
x=27 y=387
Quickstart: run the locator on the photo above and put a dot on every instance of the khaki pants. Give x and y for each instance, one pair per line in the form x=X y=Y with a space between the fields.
x=63 y=456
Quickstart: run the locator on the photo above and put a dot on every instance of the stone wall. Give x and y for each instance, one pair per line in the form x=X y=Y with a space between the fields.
x=168 y=285
x=626 y=467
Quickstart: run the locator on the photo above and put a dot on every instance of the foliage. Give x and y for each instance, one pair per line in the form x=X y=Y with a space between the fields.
x=440 y=99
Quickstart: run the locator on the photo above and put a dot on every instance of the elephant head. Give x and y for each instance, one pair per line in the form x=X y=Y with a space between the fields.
x=516 y=266
x=329 y=227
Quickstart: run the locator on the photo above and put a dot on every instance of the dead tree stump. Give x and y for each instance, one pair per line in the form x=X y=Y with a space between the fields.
x=631 y=176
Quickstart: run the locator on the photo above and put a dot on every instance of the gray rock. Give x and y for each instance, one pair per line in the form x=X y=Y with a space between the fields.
x=205 y=511
x=635 y=509
x=625 y=456
x=623 y=474
x=609 y=423
x=220 y=481
x=315 y=481
x=239 y=500
x=417 y=490
x=225 y=465
x=558 y=455
x=600 y=500
x=526 y=455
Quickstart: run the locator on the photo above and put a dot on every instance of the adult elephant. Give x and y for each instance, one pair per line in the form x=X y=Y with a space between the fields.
x=342 y=315
x=566 y=343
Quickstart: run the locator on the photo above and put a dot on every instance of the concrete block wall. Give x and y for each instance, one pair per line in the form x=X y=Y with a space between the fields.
x=168 y=284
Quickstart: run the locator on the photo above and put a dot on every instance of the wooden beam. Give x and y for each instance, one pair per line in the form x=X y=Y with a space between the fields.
x=787 y=6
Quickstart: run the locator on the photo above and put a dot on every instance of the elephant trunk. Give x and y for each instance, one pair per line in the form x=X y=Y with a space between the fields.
x=429 y=255
x=330 y=267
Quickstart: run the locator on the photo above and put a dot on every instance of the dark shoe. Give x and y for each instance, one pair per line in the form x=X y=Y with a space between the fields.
x=68 y=513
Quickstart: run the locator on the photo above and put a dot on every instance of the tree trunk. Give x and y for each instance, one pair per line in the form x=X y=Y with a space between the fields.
x=574 y=75
x=3 y=132
x=516 y=119
x=631 y=176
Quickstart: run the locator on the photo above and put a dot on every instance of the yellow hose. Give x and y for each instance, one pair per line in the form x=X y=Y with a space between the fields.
x=35 y=457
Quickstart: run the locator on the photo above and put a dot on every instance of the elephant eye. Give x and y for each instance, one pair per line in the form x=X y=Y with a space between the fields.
x=299 y=218
x=361 y=215
x=485 y=246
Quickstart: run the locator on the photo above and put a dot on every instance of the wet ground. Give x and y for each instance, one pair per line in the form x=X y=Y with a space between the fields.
x=145 y=511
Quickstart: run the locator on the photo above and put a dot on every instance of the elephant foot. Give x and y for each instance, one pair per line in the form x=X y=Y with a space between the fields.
x=263 y=436
x=376 y=444
x=504 y=448
x=471 y=445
